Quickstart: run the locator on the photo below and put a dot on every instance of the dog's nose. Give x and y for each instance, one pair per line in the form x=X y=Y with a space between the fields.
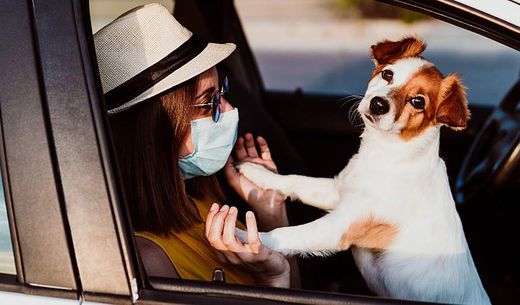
x=379 y=106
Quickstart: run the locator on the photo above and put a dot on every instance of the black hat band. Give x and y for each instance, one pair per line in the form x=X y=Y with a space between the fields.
x=146 y=79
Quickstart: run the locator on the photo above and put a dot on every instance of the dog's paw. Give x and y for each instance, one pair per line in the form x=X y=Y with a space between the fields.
x=267 y=240
x=241 y=235
x=270 y=241
x=258 y=174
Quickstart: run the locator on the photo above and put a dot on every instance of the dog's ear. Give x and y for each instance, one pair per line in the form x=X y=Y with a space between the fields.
x=452 y=108
x=386 y=51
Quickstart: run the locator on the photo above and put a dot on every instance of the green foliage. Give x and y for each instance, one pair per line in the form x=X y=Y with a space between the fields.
x=348 y=3
x=374 y=9
x=411 y=16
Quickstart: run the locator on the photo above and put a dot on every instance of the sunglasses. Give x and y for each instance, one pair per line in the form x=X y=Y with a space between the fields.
x=215 y=101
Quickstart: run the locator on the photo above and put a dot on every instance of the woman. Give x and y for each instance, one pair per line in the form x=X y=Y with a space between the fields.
x=173 y=129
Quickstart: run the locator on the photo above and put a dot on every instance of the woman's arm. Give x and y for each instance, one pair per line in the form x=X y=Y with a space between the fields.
x=268 y=205
x=155 y=261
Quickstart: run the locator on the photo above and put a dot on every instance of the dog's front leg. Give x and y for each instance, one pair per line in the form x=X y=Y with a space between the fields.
x=321 y=193
x=320 y=237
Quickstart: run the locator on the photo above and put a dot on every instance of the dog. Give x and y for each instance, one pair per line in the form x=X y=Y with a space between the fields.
x=392 y=203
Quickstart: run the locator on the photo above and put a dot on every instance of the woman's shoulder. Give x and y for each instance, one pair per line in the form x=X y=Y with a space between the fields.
x=155 y=260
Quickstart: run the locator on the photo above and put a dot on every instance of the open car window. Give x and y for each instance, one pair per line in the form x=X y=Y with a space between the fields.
x=334 y=63
x=323 y=46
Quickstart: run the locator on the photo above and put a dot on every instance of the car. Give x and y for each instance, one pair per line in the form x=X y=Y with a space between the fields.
x=71 y=238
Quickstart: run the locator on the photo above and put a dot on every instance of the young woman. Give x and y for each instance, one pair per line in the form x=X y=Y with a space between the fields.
x=173 y=129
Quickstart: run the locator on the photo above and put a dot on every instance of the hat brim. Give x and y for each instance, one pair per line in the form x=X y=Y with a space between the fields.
x=209 y=57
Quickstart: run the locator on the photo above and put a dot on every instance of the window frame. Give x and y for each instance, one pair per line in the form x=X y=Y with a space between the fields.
x=65 y=136
x=28 y=127
x=465 y=17
x=56 y=161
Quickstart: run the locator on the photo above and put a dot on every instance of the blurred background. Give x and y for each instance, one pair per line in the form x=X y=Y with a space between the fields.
x=323 y=45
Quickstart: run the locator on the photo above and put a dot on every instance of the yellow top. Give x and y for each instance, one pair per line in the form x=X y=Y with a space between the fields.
x=192 y=256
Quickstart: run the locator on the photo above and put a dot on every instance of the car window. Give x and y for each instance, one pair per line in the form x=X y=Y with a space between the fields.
x=104 y=11
x=340 y=62
x=6 y=249
x=323 y=46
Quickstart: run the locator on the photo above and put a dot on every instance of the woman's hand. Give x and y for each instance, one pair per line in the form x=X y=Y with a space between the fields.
x=267 y=204
x=269 y=268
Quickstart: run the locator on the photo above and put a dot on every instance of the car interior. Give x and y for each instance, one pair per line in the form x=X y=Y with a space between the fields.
x=310 y=134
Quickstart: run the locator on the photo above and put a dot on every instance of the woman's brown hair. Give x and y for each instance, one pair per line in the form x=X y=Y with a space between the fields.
x=147 y=138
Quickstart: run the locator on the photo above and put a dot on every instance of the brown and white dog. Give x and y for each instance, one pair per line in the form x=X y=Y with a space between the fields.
x=392 y=204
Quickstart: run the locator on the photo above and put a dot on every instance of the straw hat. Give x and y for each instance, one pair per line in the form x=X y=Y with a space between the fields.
x=146 y=51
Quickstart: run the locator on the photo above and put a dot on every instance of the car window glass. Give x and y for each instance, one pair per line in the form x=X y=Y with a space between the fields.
x=6 y=249
x=104 y=11
x=323 y=46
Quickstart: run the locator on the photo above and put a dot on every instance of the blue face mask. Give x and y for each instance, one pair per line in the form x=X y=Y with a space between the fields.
x=213 y=144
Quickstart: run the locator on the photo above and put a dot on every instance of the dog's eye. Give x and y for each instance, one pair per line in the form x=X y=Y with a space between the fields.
x=387 y=75
x=417 y=102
